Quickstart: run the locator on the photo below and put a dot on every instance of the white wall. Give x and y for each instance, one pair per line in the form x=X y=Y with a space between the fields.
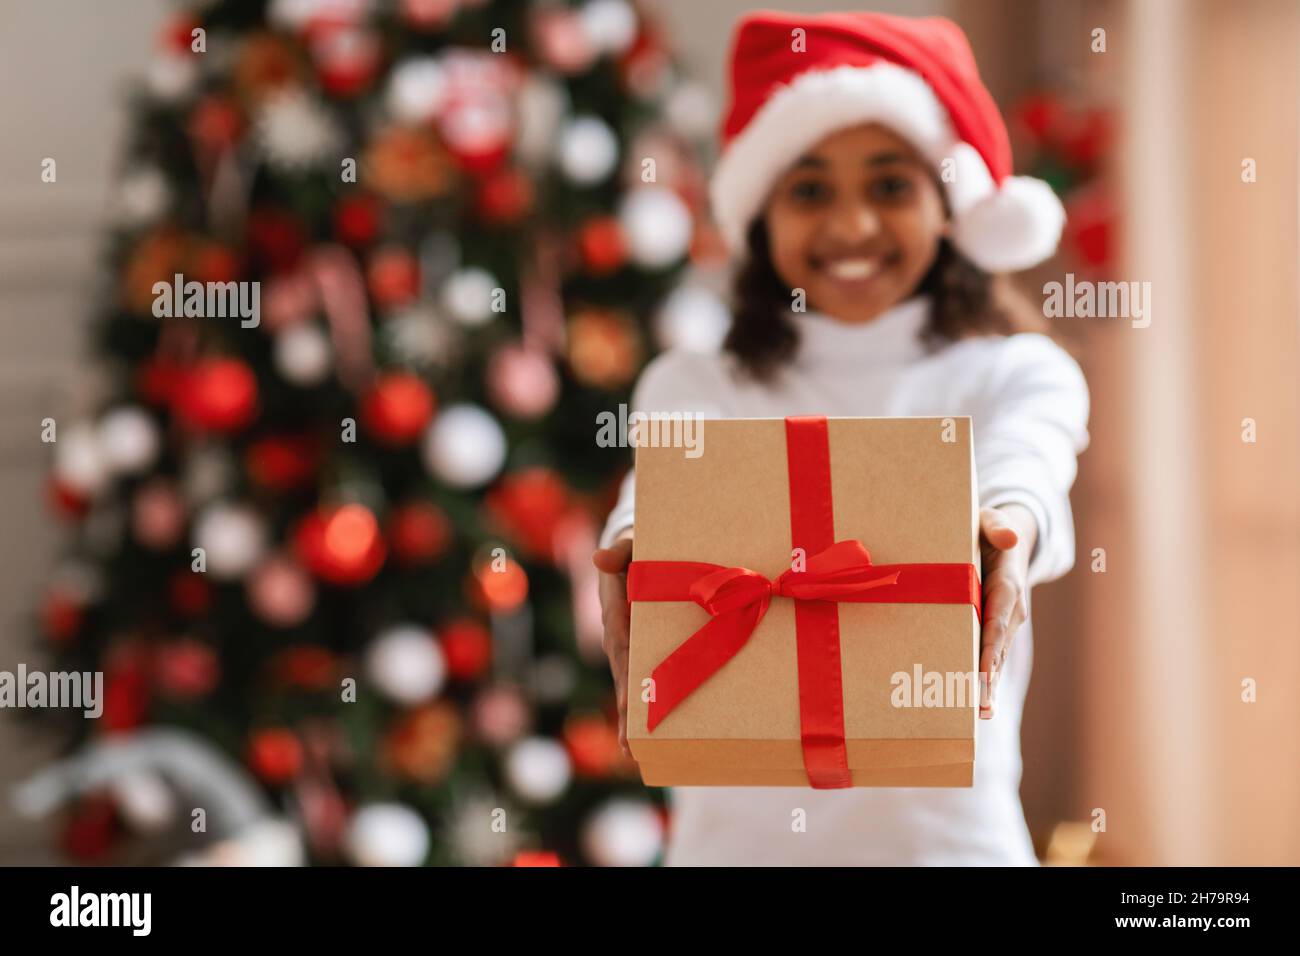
x=62 y=68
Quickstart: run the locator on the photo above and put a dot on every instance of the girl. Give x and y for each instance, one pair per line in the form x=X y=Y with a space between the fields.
x=865 y=175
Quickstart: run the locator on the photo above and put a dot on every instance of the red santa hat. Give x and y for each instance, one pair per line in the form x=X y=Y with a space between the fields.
x=795 y=79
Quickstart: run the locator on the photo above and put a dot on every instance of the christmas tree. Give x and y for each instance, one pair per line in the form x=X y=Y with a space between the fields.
x=376 y=268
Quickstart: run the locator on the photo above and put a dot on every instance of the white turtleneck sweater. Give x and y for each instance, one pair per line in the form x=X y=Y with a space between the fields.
x=1029 y=405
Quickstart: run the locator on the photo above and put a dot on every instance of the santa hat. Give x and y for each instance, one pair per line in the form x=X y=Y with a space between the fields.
x=796 y=79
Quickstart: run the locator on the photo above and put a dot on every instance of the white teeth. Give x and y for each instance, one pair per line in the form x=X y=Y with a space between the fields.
x=853 y=269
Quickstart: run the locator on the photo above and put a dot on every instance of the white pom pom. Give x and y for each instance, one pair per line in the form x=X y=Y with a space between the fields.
x=623 y=833
x=464 y=446
x=406 y=663
x=538 y=769
x=657 y=225
x=387 y=834
x=1014 y=228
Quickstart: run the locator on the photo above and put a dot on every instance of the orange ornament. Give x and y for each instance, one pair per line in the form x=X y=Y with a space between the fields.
x=423 y=745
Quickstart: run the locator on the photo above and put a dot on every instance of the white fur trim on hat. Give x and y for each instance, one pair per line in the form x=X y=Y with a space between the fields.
x=998 y=229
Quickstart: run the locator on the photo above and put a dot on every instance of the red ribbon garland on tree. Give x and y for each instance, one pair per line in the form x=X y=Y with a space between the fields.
x=835 y=571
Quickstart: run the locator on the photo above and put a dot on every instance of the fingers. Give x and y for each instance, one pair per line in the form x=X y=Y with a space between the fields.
x=997 y=530
x=615 y=558
x=1004 y=612
x=616 y=616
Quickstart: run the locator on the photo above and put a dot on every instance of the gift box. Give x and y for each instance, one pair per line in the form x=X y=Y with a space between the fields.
x=805 y=604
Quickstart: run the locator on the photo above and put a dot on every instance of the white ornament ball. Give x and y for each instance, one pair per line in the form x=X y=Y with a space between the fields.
x=171 y=76
x=297 y=131
x=610 y=24
x=417 y=90
x=142 y=197
x=406 y=663
x=623 y=833
x=145 y=800
x=588 y=150
x=232 y=537
x=79 y=461
x=657 y=225
x=538 y=769
x=129 y=440
x=467 y=296
x=692 y=318
x=691 y=110
x=303 y=355
x=464 y=446
x=387 y=834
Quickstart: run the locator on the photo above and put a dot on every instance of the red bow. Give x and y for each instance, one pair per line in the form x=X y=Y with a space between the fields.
x=739 y=597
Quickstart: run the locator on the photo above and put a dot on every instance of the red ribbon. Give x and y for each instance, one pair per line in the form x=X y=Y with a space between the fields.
x=737 y=599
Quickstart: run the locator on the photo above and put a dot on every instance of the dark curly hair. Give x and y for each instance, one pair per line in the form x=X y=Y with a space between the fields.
x=965 y=299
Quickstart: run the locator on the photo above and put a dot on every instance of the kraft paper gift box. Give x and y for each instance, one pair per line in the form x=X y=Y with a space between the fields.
x=789 y=705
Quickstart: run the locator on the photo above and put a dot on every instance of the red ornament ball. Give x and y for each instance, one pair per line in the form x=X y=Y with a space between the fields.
x=275 y=754
x=397 y=408
x=217 y=395
x=504 y=197
x=186 y=669
x=467 y=647
x=65 y=501
x=602 y=245
x=529 y=506
x=276 y=238
x=394 y=277
x=305 y=667
x=61 y=616
x=592 y=743
x=280 y=592
x=283 y=462
x=156 y=380
x=536 y=858
x=190 y=594
x=341 y=545
x=357 y=220
x=126 y=693
x=216 y=123
x=418 y=532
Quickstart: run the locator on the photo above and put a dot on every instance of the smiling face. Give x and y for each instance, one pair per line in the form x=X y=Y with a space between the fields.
x=856 y=223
